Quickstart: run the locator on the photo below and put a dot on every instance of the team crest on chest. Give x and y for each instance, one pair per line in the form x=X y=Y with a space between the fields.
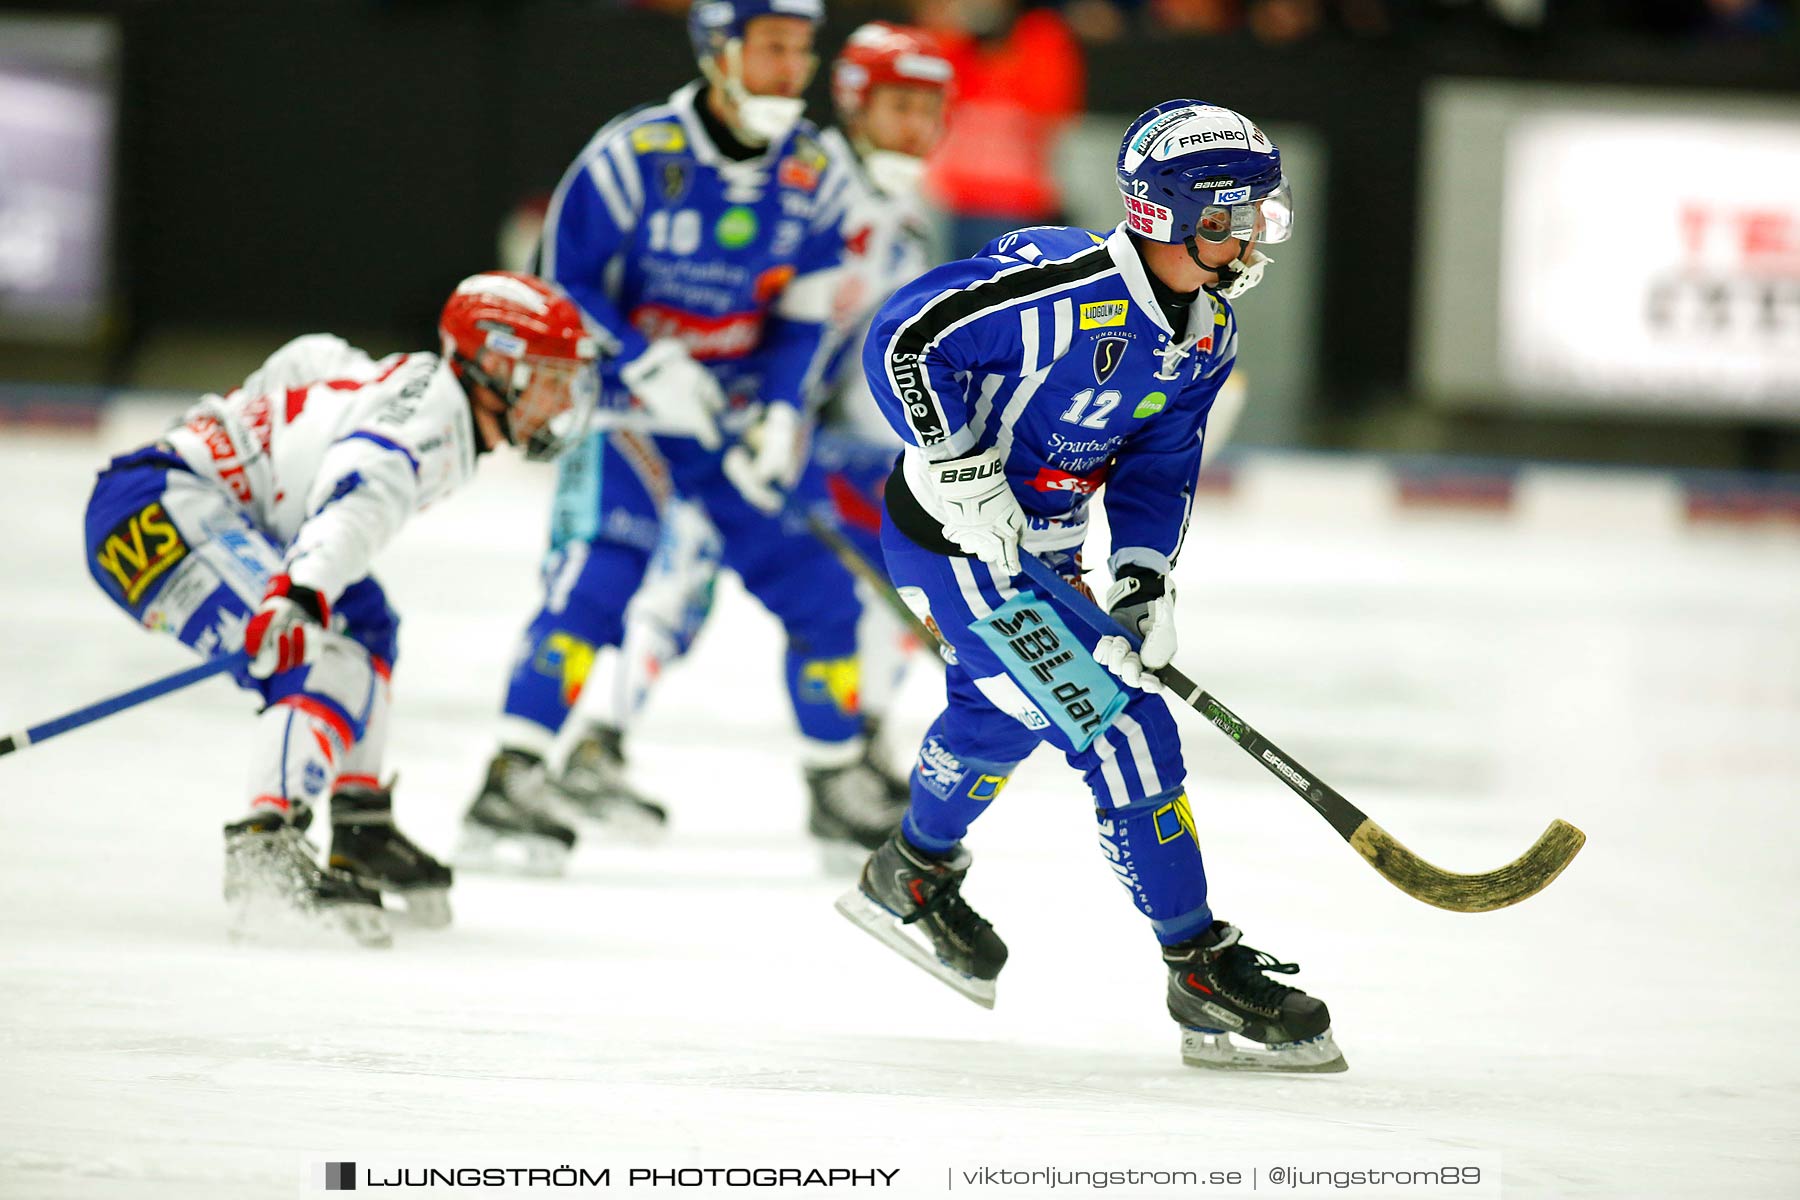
x=1109 y=352
x=674 y=179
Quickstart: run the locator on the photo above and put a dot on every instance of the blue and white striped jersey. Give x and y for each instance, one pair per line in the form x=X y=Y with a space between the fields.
x=1050 y=345
x=655 y=233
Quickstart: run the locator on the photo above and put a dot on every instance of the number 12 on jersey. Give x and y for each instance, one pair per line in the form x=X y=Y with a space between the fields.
x=1078 y=403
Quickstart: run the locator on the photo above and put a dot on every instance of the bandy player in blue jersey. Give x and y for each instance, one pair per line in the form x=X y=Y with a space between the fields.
x=890 y=89
x=702 y=237
x=1058 y=364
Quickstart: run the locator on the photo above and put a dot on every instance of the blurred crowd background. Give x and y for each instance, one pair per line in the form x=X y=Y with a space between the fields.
x=1556 y=229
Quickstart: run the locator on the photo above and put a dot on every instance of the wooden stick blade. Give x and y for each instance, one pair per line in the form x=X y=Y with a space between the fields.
x=1518 y=880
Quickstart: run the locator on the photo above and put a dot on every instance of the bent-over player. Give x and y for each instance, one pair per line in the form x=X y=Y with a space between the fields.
x=253 y=524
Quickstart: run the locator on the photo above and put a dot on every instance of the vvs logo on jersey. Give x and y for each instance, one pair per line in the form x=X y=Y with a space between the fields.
x=139 y=549
x=1109 y=352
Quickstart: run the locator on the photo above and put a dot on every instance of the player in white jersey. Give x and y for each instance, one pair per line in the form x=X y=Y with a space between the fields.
x=890 y=88
x=253 y=524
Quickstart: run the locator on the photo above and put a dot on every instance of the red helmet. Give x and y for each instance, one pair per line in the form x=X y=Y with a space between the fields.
x=538 y=332
x=881 y=52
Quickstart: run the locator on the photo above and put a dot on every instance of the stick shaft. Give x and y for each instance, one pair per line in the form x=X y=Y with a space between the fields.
x=869 y=573
x=1520 y=879
x=116 y=704
x=1342 y=815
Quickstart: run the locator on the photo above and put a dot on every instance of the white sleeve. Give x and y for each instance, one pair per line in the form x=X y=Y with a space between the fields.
x=307 y=359
x=363 y=494
x=368 y=480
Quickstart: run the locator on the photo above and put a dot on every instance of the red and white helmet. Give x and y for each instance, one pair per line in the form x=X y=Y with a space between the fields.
x=540 y=335
x=883 y=53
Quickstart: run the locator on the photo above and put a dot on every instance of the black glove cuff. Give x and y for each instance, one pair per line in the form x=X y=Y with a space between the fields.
x=310 y=602
x=1147 y=585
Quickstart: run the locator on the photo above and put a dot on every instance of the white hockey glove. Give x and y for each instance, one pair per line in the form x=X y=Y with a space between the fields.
x=677 y=392
x=766 y=464
x=979 y=511
x=1144 y=601
x=284 y=631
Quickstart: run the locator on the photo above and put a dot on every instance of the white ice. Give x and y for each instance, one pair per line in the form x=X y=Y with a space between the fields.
x=1465 y=680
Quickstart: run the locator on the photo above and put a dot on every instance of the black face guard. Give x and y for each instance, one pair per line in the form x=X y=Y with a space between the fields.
x=541 y=446
x=1226 y=271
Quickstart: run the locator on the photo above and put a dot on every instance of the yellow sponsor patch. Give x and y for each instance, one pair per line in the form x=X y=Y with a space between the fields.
x=1173 y=819
x=1104 y=314
x=835 y=679
x=570 y=659
x=987 y=787
x=139 y=549
x=664 y=137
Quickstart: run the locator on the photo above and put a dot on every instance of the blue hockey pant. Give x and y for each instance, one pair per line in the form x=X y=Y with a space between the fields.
x=990 y=724
x=593 y=571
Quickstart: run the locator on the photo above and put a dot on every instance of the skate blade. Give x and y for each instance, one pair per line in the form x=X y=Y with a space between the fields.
x=842 y=860
x=426 y=907
x=1215 y=1050
x=262 y=918
x=626 y=822
x=485 y=852
x=886 y=928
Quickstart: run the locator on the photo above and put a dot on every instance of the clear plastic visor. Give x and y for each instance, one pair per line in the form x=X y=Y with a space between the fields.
x=550 y=411
x=1264 y=221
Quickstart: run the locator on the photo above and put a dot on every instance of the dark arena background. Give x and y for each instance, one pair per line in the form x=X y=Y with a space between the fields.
x=1499 y=523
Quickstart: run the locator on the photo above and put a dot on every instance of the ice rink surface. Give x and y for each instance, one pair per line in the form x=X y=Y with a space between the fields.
x=1463 y=679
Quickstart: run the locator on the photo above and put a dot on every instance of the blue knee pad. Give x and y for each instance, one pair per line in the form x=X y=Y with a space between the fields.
x=1153 y=849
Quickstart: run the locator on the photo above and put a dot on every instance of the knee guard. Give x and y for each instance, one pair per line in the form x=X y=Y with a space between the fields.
x=316 y=715
x=1154 y=850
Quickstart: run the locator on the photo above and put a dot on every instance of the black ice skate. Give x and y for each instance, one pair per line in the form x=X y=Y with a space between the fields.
x=876 y=757
x=272 y=879
x=912 y=902
x=852 y=811
x=506 y=829
x=593 y=784
x=1217 y=988
x=366 y=845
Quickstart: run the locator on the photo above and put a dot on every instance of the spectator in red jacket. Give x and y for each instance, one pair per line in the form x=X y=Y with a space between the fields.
x=1020 y=78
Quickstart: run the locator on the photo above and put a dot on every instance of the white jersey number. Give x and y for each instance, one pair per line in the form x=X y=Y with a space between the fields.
x=1078 y=403
x=675 y=233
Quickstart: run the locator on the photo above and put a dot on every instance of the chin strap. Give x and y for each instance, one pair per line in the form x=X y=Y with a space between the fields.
x=1235 y=277
x=892 y=173
x=468 y=372
x=759 y=120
